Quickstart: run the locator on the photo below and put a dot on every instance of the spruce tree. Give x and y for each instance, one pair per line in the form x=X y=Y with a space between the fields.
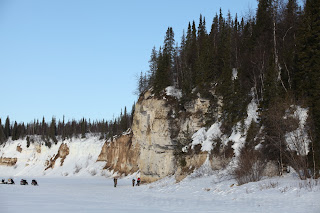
x=15 y=135
x=202 y=63
x=287 y=52
x=53 y=130
x=307 y=75
x=7 y=130
x=83 y=128
x=152 y=66
x=2 y=135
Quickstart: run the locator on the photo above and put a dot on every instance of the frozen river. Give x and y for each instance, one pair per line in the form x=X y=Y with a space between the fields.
x=97 y=194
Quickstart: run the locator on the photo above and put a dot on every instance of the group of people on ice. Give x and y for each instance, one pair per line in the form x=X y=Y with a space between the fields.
x=138 y=181
x=10 y=181
x=115 y=181
x=22 y=182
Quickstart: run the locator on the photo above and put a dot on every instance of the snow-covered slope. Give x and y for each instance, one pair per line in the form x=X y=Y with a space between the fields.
x=35 y=159
x=206 y=137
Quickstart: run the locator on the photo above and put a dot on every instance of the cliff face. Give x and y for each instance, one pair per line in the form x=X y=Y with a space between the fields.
x=121 y=156
x=159 y=129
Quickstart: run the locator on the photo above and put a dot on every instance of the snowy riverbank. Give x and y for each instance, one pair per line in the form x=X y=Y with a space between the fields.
x=196 y=193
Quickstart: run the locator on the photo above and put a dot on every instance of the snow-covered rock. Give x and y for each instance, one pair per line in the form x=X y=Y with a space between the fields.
x=76 y=157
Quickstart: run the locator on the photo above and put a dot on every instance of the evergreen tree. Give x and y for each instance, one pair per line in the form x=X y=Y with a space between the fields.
x=168 y=54
x=152 y=66
x=53 y=130
x=44 y=132
x=162 y=77
x=202 y=63
x=288 y=28
x=15 y=135
x=307 y=75
x=63 y=131
x=2 y=135
x=186 y=63
x=7 y=130
x=212 y=72
x=83 y=128
x=263 y=43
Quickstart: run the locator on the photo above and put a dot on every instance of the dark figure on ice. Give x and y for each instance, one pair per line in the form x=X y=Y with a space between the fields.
x=23 y=182
x=138 y=182
x=3 y=182
x=115 y=181
x=34 y=183
x=133 y=181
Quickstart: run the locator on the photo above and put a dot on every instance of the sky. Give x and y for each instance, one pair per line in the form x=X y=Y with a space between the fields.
x=81 y=58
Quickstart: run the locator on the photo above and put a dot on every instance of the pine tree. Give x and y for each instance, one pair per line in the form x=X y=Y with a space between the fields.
x=15 y=135
x=287 y=52
x=186 y=55
x=307 y=75
x=162 y=77
x=262 y=43
x=2 y=135
x=83 y=128
x=63 y=131
x=44 y=131
x=152 y=66
x=212 y=72
x=53 y=130
x=7 y=130
x=202 y=63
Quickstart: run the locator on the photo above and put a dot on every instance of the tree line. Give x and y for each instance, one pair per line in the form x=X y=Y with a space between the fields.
x=273 y=55
x=53 y=130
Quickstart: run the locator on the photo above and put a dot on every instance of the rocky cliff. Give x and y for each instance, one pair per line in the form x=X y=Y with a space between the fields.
x=160 y=128
x=120 y=154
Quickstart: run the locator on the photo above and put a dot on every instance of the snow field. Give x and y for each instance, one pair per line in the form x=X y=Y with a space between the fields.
x=209 y=193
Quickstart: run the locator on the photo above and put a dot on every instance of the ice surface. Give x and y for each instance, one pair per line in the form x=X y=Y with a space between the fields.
x=206 y=193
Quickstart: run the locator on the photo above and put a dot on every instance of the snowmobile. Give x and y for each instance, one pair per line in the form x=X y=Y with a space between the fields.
x=10 y=181
x=23 y=182
x=34 y=183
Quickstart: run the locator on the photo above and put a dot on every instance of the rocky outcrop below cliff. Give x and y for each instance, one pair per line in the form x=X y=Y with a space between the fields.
x=8 y=161
x=120 y=154
x=63 y=152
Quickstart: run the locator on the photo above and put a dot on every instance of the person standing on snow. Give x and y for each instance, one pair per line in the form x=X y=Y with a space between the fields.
x=138 y=181
x=133 y=181
x=115 y=181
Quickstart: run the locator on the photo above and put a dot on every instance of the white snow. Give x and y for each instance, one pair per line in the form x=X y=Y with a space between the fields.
x=172 y=91
x=298 y=139
x=197 y=193
x=81 y=160
x=206 y=138
x=234 y=73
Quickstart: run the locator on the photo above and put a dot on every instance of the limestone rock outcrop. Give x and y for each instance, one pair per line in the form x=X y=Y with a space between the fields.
x=159 y=129
x=63 y=152
x=120 y=154
x=8 y=161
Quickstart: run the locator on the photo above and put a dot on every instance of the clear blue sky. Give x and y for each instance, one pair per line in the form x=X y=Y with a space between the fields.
x=80 y=58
